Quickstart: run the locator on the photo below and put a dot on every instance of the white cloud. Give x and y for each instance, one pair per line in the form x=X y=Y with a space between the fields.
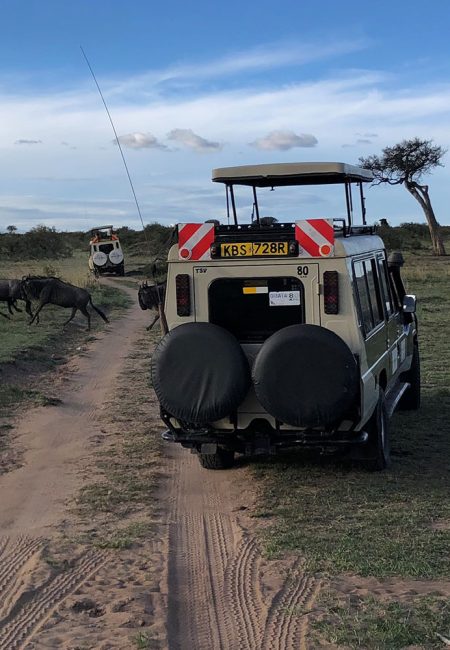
x=284 y=140
x=265 y=57
x=336 y=109
x=140 y=141
x=193 y=141
x=28 y=142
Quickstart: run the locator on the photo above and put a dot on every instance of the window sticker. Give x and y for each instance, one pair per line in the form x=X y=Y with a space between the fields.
x=284 y=298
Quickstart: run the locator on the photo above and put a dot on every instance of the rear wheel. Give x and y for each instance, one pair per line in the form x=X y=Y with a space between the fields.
x=377 y=451
x=222 y=459
x=410 y=401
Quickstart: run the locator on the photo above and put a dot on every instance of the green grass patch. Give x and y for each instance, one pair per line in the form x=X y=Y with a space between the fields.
x=11 y=395
x=124 y=538
x=145 y=640
x=372 y=624
x=343 y=519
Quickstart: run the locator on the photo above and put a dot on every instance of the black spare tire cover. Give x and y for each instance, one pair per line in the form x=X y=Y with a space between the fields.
x=306 y=376
x=200 y=373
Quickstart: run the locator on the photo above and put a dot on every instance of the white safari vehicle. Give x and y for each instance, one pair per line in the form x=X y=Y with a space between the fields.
x=106 y=255
x=285 y=334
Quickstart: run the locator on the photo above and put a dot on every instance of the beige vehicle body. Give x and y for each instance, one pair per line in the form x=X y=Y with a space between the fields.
x=347 y=286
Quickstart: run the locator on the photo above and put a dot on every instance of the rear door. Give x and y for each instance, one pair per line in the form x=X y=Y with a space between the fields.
x=255 y=300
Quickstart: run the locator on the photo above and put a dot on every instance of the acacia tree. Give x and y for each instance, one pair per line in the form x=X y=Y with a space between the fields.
x=405 y=164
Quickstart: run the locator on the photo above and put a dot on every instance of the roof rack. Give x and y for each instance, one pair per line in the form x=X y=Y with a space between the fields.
x=283 y=174
x=289 y=174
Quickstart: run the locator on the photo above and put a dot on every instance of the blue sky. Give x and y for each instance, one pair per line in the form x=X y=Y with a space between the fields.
x=193 y=86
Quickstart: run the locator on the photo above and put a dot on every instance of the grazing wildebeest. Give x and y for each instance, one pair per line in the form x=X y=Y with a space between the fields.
x=10 y=292
x=150 y=297
x=56 y=292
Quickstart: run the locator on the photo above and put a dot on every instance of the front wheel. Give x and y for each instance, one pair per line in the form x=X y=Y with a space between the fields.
x=222 y=459
x=377 y=452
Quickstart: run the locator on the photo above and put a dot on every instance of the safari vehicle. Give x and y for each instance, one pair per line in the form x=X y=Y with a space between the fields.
x=285 y=334
x=106 y=255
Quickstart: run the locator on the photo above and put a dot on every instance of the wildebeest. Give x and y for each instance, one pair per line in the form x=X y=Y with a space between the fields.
x=10 y=292
x=150 y=296
x=56 y=292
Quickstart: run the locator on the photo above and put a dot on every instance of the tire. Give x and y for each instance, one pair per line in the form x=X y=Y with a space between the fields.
x=377 y=451
x=200 y=373
x=410 y=401
x=306 y=376
x=222 y=459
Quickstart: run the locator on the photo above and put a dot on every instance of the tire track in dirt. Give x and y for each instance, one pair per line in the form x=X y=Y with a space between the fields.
x=217 y=591
x=16 y=567
x=286 y=624
x=35 y=605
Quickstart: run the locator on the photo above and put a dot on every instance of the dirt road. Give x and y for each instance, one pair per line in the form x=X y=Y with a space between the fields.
x=221 y=593
x=199 y=584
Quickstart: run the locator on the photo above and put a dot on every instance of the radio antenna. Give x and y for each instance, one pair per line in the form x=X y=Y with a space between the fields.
x=117 y=139
x=162 y=315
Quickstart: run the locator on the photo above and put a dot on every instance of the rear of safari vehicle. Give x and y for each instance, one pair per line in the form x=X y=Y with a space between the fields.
x=263 y=349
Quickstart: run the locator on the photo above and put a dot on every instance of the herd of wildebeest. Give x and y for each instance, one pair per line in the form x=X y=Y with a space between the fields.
x=50 y=290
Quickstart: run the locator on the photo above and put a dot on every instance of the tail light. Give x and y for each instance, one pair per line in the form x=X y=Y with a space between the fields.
x=183 y=293
x=331 y=292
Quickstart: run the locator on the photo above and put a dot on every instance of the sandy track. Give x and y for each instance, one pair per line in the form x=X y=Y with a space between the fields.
x=57 y=441
x=221 y=593
x=56 y=437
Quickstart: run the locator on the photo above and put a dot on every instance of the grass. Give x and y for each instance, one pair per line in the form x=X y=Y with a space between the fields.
x=146 y=641
x=374 y=624
x=394 y=523
x=128 y=469
x=10 y=395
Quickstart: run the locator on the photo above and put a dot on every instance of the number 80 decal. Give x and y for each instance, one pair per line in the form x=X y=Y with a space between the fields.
x=302 y=270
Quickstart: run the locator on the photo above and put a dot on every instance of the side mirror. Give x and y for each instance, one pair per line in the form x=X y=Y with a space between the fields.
x=409 y=305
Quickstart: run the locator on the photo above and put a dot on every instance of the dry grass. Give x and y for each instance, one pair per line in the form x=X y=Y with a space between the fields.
x=116 y=507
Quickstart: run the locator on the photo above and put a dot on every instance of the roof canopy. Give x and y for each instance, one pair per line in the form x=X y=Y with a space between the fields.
x=279 y=174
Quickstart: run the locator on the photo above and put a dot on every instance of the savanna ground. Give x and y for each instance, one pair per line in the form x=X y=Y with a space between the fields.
x=380 y=543
x=382 y=540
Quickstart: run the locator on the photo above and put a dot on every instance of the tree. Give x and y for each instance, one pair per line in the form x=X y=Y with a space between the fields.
x=405 y=164
x=11 y=229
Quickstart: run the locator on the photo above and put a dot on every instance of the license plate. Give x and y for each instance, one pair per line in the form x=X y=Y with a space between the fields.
x=255 y=249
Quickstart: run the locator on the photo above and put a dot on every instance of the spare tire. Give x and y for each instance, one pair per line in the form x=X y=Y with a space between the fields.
x=306 y=376
x=200 y=373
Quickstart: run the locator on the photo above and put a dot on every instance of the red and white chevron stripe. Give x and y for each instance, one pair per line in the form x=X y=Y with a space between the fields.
x=194 y=241
x=315 y=237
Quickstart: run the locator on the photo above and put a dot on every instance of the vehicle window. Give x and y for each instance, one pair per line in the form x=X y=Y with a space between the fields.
x=374 y=292
x=106 y=248
x=254 y=309
x=385 y=287
x=363 y=296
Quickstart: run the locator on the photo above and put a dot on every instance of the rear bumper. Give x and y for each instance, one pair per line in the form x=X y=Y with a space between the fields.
x=265 y=439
